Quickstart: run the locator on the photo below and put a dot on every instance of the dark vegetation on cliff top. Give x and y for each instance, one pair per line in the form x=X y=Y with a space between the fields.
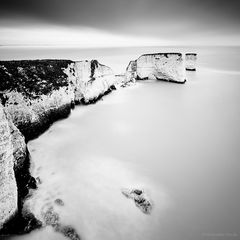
x=33 y=77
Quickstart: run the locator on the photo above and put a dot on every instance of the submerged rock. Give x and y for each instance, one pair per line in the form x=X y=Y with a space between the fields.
x=140 y=198
x=161 y=66
x=51 y=218
x=59 y=202
x=191 y=59
x=68 y=232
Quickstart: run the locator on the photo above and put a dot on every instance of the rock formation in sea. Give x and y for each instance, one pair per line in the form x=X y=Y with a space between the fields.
x=92 y=80
x=140 y=199
x=131 y=72
x=161 y=66
x=191 y=59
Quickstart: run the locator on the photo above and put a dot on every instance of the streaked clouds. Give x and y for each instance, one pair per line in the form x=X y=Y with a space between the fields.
x=94 y=23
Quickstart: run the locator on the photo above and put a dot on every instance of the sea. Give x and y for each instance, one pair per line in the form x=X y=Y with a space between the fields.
x=180 y=143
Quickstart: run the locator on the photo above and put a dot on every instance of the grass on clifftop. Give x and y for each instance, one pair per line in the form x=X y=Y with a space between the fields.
x=33 y=77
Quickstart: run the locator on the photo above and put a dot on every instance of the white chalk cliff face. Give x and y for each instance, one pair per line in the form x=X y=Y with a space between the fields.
x=8 y=186
x=92 y=80
x=191 y=60
x=161 y=66
x=131 y=72
x=48 y=88
x=34 y=94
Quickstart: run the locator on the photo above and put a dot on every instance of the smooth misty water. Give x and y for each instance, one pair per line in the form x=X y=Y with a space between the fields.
x=181 y=143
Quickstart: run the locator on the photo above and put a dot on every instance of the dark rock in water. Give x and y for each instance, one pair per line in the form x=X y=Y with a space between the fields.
x=140 y=199
x=38 y=180
x=137 y=191
x=52 y=218
x=32 y=183
x=59 y=202
x=68 y=232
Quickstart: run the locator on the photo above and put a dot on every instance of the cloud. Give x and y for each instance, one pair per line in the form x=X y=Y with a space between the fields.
x=71 y=37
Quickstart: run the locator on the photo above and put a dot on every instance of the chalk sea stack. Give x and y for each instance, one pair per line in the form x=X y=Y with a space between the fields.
x=161 y=66
x=191 y=59
x=131 y=72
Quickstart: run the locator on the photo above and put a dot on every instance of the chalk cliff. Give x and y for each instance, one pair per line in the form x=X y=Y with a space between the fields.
x=37 y=93
x=34 y=94
x=93 y=80
x=191 y=59
x=8 y=186
x=131 y=72
x=161 y=66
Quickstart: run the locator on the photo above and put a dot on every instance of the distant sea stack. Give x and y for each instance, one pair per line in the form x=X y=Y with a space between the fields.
x=161 y=66
x=191 y=59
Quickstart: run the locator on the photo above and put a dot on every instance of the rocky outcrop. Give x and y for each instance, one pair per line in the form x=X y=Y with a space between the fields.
x=15 y=178
x=8 y=186
x=191 y=59
x=93 y=80
x=131 y=72
x=161 y=66
x=140 y=199
x=52 y=218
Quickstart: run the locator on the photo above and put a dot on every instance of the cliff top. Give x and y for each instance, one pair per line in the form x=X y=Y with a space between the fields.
x=33 y=77
x=164 y=54
x=191 y=54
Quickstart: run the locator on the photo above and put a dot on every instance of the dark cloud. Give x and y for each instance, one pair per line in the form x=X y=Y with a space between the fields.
x=135 y=16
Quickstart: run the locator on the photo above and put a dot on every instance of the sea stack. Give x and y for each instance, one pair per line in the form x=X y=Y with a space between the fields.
x=92 y=81
x=131 y=72
x=191 y=59
x=161 y=66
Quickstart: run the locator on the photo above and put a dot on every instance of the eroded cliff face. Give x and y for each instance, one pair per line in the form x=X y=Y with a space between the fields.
x=8 y=186
x=93 y=80
x=34 y=94
x=15 y=178
x=191 y=60
x=131 y=72
x=161 y=66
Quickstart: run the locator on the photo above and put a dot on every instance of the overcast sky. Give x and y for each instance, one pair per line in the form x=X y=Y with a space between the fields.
x=119 y=22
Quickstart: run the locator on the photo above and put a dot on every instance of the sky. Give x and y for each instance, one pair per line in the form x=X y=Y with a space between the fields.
x=109 y=23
